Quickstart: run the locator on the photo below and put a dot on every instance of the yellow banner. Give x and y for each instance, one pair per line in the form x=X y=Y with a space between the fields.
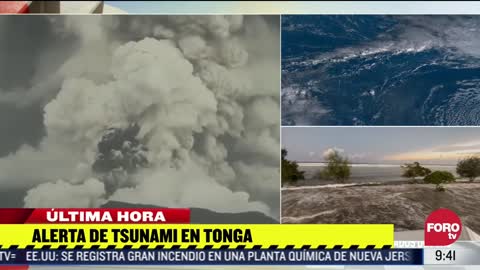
x=151 y=236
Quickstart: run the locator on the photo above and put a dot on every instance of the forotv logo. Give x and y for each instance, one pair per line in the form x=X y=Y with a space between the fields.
x=442 y=227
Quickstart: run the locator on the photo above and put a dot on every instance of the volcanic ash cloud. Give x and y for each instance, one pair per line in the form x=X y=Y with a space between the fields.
x=184 y=115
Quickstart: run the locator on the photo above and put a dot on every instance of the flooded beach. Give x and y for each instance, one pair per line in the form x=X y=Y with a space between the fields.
x=380 y=175
x=405 y=205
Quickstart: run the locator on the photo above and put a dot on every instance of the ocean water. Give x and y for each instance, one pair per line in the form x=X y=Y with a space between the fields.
x=380 y=70
x=365 y=173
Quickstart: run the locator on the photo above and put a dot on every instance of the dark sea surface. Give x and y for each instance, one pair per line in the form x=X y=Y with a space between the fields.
x=380 y=70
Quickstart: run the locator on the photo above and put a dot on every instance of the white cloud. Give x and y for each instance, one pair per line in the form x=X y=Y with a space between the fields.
x=66 y=195
x=331 y=151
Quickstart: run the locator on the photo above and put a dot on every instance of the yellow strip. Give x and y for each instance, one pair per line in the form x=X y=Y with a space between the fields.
x=282 y=235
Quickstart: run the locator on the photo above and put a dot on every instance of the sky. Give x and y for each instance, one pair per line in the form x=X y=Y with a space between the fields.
x=390 y=145
x=298 y=7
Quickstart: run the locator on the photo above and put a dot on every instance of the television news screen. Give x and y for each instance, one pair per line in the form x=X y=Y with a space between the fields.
x=239 y=135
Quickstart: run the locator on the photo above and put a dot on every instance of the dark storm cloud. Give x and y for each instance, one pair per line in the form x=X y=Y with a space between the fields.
x=19 y=126
x=30 y=51
x=23 y=42
x=31 y=47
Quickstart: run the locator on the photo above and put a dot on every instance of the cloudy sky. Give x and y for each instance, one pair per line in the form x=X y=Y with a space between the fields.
x=392 y=145
x=162 y=110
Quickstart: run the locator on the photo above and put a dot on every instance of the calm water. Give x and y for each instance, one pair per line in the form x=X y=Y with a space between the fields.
x=370 y=172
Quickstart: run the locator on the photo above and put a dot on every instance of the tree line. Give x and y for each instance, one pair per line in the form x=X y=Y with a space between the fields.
x=468 y=167
x=338 y=168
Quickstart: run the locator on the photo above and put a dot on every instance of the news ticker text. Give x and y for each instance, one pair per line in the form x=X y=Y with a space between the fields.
x=213 y=257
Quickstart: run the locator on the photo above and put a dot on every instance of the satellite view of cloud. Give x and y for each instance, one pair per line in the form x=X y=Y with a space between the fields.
x=174 y=111
x=380 y=70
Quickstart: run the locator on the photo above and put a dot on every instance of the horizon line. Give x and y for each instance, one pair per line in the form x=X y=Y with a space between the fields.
x=378 y=163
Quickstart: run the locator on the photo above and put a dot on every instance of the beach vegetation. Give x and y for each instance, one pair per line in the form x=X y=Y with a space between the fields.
x=338 y=167
x=469 y=167
x=414 y=170
x=290 y=171
x=438 y=178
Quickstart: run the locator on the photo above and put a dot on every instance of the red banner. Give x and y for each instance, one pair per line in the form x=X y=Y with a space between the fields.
x=94 y=215
x=14 y=7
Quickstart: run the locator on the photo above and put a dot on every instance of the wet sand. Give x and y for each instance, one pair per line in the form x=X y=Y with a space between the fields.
x=405 y=205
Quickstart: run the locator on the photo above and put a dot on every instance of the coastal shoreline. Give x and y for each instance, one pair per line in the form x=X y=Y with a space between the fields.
x=312 y=184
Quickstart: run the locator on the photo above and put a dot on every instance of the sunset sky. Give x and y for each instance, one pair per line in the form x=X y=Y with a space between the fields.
x=392 y=145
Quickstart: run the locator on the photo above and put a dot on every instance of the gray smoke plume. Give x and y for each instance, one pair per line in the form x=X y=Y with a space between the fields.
x=176 y=111
x=119 y=155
